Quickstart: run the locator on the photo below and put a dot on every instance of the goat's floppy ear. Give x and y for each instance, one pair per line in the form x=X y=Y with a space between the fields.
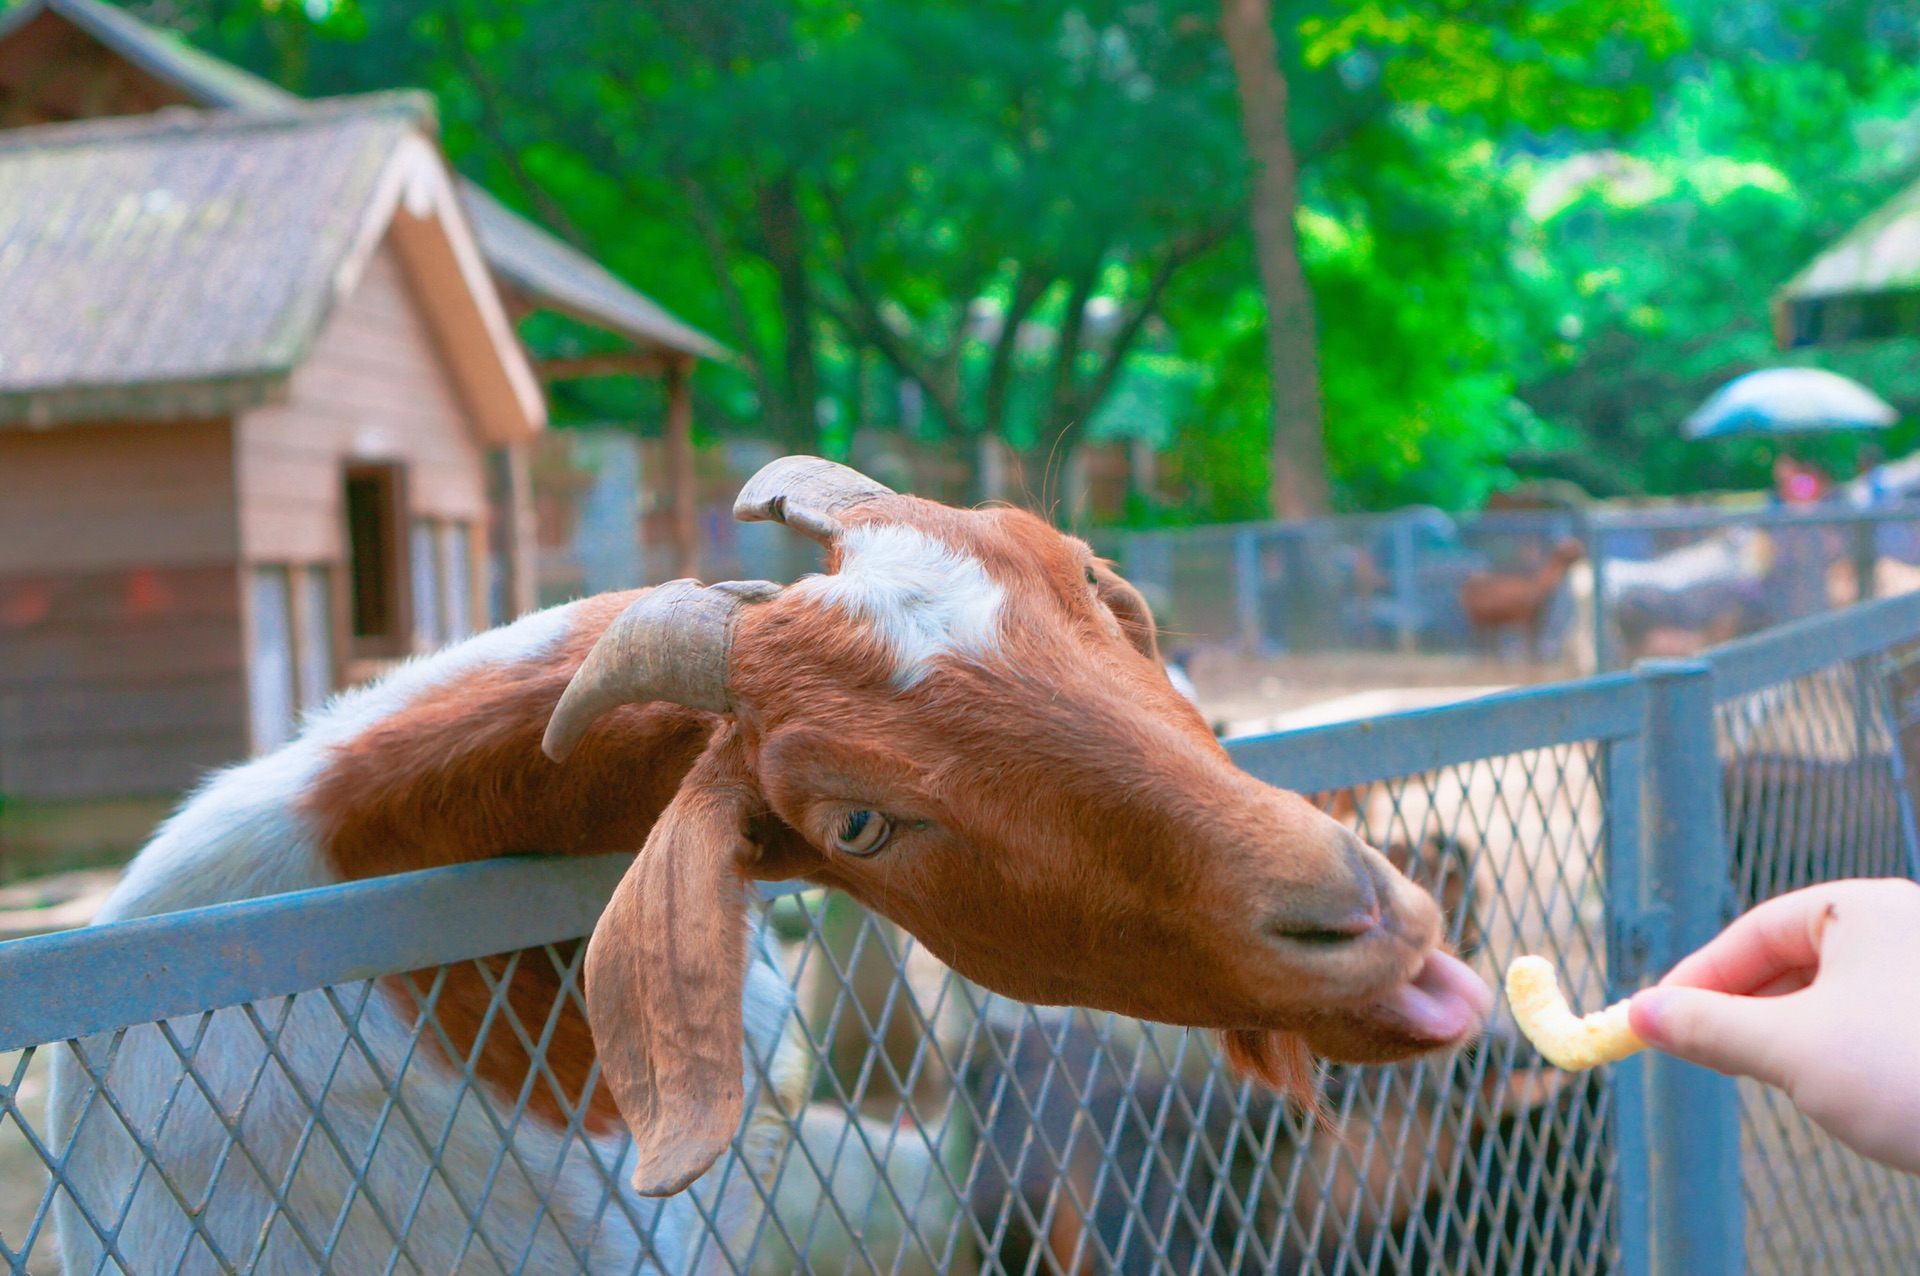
x=665 y=971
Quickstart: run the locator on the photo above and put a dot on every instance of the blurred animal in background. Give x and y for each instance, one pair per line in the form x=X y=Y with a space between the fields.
x=1684 y=601
x=1496 y=602
x=1109 y=1151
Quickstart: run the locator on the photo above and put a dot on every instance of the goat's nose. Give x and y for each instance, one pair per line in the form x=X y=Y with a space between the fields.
x=1340 y=908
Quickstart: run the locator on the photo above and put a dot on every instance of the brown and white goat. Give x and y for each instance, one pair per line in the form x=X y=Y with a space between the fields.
x=963 y=725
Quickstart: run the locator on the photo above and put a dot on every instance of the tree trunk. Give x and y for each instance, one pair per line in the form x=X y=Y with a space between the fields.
x=1066 y=416
x=1299 y=481
x=782 y=229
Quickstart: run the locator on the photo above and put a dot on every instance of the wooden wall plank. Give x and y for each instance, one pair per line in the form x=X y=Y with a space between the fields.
x=78 y=657
x=122 y=768
x=87 y=497
x=118 y=683
x=102 y=713
x=140 y=595
x=375 y=388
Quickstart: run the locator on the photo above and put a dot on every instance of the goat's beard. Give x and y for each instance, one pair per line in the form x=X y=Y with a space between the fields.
x=1279 y=1061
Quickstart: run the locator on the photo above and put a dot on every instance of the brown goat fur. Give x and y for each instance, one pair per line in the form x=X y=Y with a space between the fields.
x=1065 y=829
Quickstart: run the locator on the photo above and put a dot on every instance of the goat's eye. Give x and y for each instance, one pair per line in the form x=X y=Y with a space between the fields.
x=862 y=832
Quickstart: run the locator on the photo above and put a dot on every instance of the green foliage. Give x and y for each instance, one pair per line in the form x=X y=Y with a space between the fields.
x=1654 y=266
x=1222 y=442
x=1538 y=234
x=1531 y=66
x=1408 y=202
x=823 y=183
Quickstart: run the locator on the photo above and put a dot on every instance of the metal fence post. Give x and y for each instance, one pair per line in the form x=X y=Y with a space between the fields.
x=1692 y=1114
x=1863 y=538
x=1632 y=933
x=1406 y=586
x=1246 y=589
x=1604 y=658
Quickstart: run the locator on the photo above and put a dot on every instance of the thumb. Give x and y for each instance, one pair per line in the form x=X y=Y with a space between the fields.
x=1740 y=1036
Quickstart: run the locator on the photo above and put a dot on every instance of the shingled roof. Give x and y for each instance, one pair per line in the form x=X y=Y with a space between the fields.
x=544 y=271
x=182 y=263
x=1864 y=285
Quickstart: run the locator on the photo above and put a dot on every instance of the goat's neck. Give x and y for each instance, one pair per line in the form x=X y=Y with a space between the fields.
x=458 y=775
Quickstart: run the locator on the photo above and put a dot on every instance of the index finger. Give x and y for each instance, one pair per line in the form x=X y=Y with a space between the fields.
x=1769 y=942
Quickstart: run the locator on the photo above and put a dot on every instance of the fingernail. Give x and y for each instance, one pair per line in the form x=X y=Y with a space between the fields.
x=1647 y=1013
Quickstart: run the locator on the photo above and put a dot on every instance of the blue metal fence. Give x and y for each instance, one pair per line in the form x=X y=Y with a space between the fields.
x=1654 y=581
x=1611 y=824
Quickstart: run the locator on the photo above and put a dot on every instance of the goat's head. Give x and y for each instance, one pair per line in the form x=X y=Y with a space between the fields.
x=965 y=726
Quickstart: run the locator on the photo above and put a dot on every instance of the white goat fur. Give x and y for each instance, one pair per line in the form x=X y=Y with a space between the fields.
x=923 y=599
x=240 y=836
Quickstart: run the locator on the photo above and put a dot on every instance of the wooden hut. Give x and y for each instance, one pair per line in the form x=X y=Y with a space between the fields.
x=264 y=422
x=1865 y=286
x=79 y=59
x=253 y=378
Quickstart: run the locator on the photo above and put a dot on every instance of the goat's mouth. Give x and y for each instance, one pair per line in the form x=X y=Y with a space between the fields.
x=1443 y=1004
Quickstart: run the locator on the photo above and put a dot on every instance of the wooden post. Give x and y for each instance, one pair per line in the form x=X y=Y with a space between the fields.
x=686 y=528
x=522 y=532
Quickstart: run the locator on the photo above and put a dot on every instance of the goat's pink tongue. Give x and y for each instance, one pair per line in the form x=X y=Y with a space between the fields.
x=1444 y=1002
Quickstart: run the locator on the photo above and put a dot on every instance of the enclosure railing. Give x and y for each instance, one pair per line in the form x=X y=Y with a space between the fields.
x=1654 y=581
x=283 y=1079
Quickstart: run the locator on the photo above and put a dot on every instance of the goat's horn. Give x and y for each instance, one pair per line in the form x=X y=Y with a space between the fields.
x=670 y=644
x=805 y=493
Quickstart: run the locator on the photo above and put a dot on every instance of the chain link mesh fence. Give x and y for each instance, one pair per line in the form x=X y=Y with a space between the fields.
x=1816 y=788
x=901 y=1120
x=905 y=1120
x=1656 y=583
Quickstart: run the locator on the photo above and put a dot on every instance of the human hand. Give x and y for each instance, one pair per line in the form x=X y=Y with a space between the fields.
x=1817 y=993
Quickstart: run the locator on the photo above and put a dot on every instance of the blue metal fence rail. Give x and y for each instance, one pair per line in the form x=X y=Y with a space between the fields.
x=1384 y=581
x=152 y=968
x=1668 y=1156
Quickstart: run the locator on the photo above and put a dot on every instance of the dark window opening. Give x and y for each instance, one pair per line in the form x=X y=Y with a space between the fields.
x=376 y=561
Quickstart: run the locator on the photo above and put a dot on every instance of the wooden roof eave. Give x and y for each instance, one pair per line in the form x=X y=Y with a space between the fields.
x=415 y=205
x=559 y=272
x=544 y=272
x=196 y=400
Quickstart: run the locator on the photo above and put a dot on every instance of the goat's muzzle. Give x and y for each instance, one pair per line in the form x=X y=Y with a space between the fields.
x=1369 y=939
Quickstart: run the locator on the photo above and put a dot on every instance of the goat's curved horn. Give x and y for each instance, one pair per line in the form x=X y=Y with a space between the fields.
x=805 y=493
x=670 y=644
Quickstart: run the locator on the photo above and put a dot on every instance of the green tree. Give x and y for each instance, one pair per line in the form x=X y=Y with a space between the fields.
x=987 y=200
x=1652 y=266
x=1402 y=123
x=1017 y=207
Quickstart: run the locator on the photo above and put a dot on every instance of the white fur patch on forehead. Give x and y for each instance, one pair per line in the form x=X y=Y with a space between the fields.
x=923 y=598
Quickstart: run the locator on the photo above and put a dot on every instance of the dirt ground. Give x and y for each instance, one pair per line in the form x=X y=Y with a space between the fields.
x=1244 y=695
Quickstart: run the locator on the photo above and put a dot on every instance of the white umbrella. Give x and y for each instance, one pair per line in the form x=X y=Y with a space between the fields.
x=1789 y=401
